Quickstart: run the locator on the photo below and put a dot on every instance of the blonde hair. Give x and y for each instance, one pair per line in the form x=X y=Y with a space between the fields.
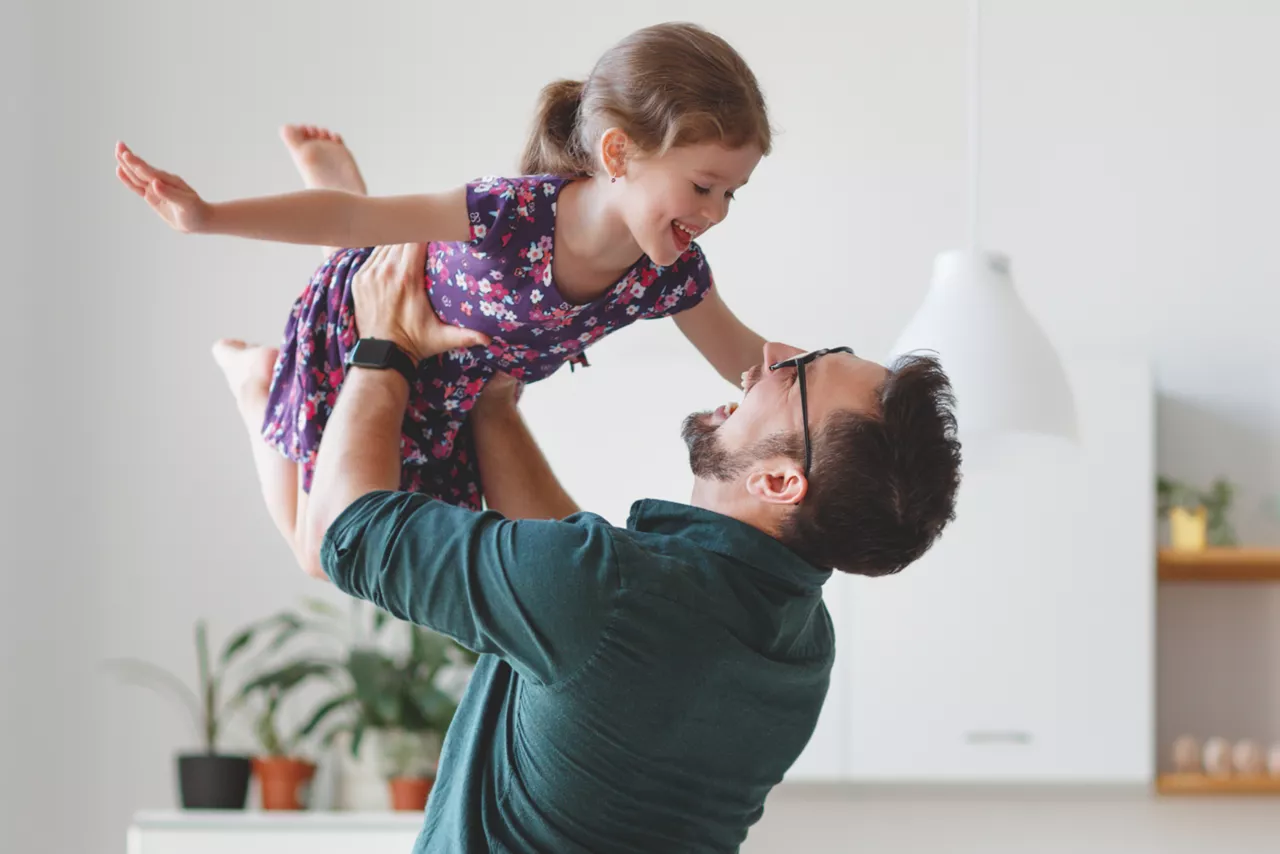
x=664 y=86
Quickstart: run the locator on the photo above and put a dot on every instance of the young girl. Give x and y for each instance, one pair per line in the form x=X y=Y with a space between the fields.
x=621 y=174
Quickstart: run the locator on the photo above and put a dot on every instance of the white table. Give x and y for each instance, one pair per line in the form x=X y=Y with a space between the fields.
x=320 y=832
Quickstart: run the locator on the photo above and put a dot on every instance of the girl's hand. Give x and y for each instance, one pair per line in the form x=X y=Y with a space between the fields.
x=501 y=392
x=391 y=304
x=168 y=195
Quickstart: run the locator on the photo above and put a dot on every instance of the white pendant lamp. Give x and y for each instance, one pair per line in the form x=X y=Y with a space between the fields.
x=1006 y=375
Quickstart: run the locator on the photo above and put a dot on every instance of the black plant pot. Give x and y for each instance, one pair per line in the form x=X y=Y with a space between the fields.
x=213 y=782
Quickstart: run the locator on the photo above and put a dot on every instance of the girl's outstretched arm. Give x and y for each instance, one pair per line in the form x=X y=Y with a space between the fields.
x=313 y=217
x=725 y=341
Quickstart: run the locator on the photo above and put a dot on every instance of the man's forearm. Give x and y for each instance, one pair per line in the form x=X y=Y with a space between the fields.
x=360 y=452
x=517 y=480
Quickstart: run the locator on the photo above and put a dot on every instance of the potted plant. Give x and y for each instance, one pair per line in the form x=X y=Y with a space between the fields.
x=283 y=774
x=1197 y=518
x=208 y=779
x=401 y=700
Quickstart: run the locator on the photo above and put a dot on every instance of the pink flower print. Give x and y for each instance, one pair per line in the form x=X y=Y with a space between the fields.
x=478 y=231
x=637 y=290
x=466 y=308
x=535 y=297
x=487 y=308
x=633 y=309
x=535 y=253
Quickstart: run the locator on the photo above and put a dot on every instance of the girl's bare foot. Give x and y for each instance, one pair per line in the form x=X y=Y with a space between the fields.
x=323 y=159
x=248 y=371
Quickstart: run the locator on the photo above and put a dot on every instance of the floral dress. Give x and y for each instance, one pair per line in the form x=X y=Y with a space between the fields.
x=500 y=283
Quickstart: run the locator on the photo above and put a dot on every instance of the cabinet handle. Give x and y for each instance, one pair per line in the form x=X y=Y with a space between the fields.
x=987 y=736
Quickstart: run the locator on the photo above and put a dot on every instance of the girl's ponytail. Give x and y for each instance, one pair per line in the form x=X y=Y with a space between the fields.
x=554 y=147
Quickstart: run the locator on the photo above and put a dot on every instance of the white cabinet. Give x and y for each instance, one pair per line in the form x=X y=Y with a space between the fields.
x=214 y=832
x=1020 y=648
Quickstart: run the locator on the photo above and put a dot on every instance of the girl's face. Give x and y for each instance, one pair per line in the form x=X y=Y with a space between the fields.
x=669 y=200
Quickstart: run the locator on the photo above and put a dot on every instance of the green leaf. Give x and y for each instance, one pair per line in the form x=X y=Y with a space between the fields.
x=144 y=674
x=237 y=644
x=322 y=608
x=357 y=735
x=288 y=677
x=323 y=711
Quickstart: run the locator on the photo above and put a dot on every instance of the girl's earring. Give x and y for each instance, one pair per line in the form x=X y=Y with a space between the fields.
x=613 y=180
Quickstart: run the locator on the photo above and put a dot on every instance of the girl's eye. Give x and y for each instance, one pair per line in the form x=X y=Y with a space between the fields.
x=730 y=196
x=701 y=191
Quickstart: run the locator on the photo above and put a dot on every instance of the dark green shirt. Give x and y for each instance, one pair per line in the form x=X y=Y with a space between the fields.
x=639 y=689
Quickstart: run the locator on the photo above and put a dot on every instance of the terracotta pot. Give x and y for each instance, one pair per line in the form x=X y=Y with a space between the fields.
x=283 y=780
x=410 y=793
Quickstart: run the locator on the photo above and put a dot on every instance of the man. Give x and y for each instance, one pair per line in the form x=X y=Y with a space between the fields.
x=640 y=688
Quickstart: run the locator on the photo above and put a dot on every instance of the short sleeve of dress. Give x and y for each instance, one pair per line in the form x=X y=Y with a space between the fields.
x=682 y=285
x=500 y=207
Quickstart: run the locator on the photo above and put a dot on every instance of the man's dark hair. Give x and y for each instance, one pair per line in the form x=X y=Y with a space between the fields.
x=883 y=484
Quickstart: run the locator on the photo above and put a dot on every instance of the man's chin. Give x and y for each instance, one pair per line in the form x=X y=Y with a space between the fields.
x=697 y=424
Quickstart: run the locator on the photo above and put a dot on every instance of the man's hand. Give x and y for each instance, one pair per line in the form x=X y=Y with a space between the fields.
x=391 y=304
x=167 y=194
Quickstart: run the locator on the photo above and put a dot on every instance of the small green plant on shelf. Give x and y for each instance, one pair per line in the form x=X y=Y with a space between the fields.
x=1216 y=501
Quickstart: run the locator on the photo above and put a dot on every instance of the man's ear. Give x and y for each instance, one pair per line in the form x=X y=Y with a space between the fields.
x=615 y=148
x=778 y=481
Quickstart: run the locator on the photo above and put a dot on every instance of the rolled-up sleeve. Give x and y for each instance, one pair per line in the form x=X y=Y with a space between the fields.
x=536 y=593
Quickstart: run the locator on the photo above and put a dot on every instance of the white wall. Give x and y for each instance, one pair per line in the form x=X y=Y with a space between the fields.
x=1129 y=170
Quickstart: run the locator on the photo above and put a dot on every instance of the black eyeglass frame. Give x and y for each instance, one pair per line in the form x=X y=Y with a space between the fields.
x=798 y=362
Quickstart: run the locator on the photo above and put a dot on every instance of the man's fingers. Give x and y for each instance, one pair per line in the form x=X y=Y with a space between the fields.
x=414 y=258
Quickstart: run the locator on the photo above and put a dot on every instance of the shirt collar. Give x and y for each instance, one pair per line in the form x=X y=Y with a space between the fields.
x=726 y=536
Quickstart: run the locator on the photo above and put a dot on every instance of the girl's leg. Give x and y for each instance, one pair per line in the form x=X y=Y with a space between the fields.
x=323 y=160
x=248 y=372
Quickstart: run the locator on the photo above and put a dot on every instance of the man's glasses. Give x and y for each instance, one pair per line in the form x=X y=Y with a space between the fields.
x=798 y=362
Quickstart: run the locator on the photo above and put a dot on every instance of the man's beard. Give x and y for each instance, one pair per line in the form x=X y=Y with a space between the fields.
x=708 y=457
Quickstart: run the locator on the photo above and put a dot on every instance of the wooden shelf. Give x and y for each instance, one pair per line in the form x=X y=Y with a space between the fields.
x=1201 y=784
x=1220 y=565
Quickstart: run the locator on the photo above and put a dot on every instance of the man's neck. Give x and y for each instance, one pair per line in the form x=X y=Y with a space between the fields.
x=730 y=499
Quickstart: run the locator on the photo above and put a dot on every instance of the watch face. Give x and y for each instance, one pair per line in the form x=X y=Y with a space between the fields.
x=372 y=352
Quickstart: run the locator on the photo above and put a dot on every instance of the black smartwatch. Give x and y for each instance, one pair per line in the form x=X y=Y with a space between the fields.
x=380 y=355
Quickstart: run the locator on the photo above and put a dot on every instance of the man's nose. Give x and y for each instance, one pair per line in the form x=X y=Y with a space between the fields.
x=775 y=352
